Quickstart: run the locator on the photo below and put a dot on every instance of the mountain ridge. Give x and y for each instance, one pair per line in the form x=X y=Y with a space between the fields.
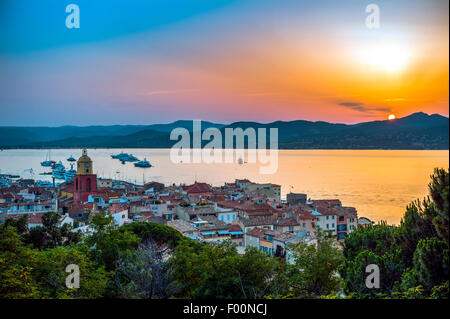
x=415 y=131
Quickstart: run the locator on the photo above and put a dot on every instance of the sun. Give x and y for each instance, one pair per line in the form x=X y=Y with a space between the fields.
x=391 y=117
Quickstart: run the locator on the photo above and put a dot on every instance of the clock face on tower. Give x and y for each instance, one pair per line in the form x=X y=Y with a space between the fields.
x=87 y=165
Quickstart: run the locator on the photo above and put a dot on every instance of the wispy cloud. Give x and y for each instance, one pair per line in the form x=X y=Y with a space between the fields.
x=165 y=92
x=396 y=99
x=360 y=107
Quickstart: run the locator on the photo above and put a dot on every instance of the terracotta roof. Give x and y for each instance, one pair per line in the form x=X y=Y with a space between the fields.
x=303 y=215
x=198 y=188
x=35 y=218
x=256 y=232
x=286 y=222
x=117 y=207
x=236 y=228
x=327 y=202
x=83 y=207
x=255 y=222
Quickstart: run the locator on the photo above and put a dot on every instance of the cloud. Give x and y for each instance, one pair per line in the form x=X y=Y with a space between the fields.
x=360 y=107
x=163 y=92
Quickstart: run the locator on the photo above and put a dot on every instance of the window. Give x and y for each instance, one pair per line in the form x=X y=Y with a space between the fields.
x=341 y=218
x=327 y=217
x=304 y=225
x=332 y=225
x=332 y=217
x=88 y=185
x=328 y=226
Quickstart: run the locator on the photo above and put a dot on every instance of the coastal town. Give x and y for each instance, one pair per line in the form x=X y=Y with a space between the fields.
x=246 y=213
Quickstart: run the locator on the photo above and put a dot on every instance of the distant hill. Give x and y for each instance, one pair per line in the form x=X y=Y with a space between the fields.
x=416 y=131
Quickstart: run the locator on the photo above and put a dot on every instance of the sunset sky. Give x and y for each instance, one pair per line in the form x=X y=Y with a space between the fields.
x=156 y=61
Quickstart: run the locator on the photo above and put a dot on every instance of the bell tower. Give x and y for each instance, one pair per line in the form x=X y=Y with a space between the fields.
x=85 y=181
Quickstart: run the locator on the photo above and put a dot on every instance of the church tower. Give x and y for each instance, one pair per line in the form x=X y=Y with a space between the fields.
x=85 y=181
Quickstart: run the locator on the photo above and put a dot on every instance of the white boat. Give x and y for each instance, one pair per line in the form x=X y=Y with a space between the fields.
x=143 y=163
x=48 y=162
x=70 y=174
x=125 y=157
x=59 y=170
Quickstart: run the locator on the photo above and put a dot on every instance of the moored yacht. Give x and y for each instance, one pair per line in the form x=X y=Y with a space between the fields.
x=59 y=170
x=143 y=163
x=70 y=174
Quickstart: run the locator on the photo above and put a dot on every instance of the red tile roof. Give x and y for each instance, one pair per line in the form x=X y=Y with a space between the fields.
x=198 y=188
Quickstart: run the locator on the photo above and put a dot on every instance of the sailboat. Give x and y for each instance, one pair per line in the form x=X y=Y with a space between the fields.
x=48 y=162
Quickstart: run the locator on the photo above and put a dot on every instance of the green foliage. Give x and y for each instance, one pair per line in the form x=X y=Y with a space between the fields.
x=50 y=274
x=439 y=192
x=51 y=234
x=20 y=224
x=205 y=271
x=431 y=262
x=144 y=273
x=155 y=232
x=314 y=271
x=107 y=245
x=16 y=264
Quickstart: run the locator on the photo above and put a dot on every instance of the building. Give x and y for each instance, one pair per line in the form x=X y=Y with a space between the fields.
x=286 y=225
x=32 y=208
x=104 y=183
x=271 y=191
x=119 y=212
x=85 y=180
x=197 y=191
x=296 y=198
x=185 y=228
x=237 y=235
x=189 y=213
x=364 y=222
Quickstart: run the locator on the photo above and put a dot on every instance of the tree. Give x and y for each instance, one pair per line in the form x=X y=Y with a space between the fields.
x=16 y=264
x=371 y=245
x=50 y=274
x=52 y=234
x=431 y=262
x=314 y=270
x=439 y=192
x=261 y=275
x=108 y=242
x=144 y=273
x=20 y=224
x=154 y=232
